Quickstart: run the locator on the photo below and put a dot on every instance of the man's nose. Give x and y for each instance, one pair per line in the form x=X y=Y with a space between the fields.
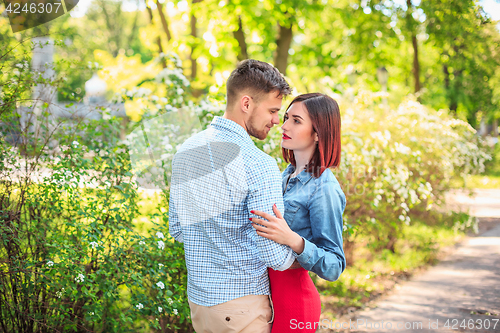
x=276 y=120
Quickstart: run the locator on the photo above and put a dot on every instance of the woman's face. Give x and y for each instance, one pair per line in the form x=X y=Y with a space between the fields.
x=298 y=132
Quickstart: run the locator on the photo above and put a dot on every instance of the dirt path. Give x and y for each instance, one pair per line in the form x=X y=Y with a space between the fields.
x=460 y=294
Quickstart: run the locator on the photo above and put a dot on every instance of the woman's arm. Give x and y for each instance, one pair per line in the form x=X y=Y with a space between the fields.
x=324 y=254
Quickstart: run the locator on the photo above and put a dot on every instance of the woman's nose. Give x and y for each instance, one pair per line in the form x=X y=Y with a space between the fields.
x=283 y=126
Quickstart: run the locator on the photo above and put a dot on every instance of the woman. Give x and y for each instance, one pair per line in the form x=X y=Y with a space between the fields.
x=314 y=204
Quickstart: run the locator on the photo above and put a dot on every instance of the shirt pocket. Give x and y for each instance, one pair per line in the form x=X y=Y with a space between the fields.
x=291 y=210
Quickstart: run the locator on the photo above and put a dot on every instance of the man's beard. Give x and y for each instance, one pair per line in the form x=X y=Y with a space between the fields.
x=251 y=130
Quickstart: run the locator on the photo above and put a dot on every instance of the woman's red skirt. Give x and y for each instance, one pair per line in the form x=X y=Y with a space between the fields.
x=297 y=306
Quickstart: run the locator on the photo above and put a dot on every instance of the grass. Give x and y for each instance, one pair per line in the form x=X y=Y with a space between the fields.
x=490 y=179
x=477 y=181
x=372 y=274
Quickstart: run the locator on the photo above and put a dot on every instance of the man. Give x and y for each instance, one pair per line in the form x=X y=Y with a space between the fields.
x=218 y=177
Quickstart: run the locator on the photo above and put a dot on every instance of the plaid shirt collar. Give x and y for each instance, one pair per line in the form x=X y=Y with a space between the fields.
x=229 y=125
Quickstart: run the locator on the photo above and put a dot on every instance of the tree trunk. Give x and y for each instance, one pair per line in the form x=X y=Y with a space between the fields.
x=115 y=37
x=194 y=33
x=450 y=95
x=446 y=77
x=240 y=37
x=164 y=22
x=193 y=47
x=133 y=31
x=411 y=27
x=283 y=45
x=416 y=64
x=158 y=40
x=453 y=106
x=457 y=87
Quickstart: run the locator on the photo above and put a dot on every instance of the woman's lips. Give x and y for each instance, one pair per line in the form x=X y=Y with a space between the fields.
x=285 y=137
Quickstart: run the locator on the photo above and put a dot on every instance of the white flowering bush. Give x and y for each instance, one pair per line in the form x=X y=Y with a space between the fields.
x=397 y=163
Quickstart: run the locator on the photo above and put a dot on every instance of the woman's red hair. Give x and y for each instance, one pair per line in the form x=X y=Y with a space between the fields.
x=325 y=116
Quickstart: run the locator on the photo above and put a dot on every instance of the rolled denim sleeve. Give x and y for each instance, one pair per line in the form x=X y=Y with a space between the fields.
x=325 y=255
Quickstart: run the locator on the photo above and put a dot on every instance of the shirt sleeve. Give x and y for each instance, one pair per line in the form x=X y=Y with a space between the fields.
x=174 y=226
x=325 y=254
x=265 y=193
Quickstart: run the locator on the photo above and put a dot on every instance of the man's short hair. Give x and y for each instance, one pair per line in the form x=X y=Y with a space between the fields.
x=256 y=77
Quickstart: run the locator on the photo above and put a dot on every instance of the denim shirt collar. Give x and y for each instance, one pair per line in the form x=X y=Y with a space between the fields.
x=232 y=126
x=303 y=176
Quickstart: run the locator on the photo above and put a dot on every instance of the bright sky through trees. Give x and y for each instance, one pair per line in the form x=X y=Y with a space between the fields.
x=491 y=7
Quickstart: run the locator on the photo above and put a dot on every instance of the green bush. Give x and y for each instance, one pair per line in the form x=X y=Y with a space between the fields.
x=71 y=257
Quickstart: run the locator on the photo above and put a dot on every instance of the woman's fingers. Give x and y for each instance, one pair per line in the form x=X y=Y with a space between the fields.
x=277 y=212
x=275 y=228
x=267 y=216
x=262 y=231
x=258 y=227
x=263 y=234
x=259 y=221
x=262 y=214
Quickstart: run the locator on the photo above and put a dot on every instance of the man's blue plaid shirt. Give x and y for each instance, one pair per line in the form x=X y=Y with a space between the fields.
x=218 y=177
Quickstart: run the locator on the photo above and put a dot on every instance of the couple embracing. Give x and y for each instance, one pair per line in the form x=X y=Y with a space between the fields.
x=251 y=234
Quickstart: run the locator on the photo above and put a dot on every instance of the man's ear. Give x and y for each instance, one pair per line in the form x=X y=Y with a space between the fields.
x=245 y=103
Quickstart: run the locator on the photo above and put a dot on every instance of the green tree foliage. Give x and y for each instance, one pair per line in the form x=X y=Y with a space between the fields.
x=444 y=51
x=470 y=46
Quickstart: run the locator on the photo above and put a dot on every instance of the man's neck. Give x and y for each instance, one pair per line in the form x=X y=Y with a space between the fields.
x=239 y=121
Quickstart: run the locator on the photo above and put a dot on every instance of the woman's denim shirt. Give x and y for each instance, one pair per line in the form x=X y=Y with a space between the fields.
x=313 y=209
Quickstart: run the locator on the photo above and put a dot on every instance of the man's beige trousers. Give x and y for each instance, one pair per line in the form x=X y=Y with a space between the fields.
x=248 y=314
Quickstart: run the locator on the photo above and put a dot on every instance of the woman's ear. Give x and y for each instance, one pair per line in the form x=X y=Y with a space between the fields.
x=316 y=137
